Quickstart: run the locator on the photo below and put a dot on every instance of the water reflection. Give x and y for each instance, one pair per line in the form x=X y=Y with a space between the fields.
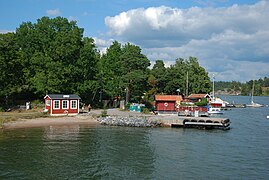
x=119 y=152
x=78 y=152
x=98 y=152
x=61 y=132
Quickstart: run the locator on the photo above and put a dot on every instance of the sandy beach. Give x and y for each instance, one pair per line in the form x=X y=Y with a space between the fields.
x=51 y=121
x=83 y=118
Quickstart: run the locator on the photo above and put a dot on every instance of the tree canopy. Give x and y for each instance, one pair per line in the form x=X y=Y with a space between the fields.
x=52 y=56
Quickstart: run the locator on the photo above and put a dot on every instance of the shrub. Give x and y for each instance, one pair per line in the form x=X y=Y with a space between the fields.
x=37 y=104
x=203 y=102
x=104 y=113
x=127 y=106
x=2 y=109
x=145 y=110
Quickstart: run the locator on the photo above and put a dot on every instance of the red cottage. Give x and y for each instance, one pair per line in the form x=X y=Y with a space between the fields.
x=167 y=102
x=60 y=104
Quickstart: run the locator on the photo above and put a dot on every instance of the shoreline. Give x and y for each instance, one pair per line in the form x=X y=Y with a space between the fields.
x=51 y=121
x=82 y=119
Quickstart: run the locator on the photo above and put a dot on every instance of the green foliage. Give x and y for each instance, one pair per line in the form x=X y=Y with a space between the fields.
x=104 y=113
x=37 y=104
x=145 y=110
x=127 y=106
x=260 y=87
x=169 y=80
x=52 y=56
x=203 y=102
x=11 y=76
x=124 y=70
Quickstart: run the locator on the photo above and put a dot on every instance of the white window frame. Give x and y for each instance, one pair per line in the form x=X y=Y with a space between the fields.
x=76 y=104
x=54 y=103
x=67 y=104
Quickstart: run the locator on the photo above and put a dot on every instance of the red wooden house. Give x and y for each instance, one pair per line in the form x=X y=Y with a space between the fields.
x=60 y=104
x=167 y=102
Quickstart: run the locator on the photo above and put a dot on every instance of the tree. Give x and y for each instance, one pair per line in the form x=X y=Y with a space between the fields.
x=111 y=72
x=159 y=72
x=49 y=50
x=10 y=67
x=135 y=72
x=86 y=70
x=199 y=81
x=176 y=77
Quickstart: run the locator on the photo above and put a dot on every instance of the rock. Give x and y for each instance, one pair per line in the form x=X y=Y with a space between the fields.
x=128 y=121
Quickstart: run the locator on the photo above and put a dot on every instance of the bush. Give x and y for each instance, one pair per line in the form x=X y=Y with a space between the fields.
x=127 y=106
x=145 y=110
x=2 y=109
x=203 y=102
x=104 y=113
x=37 y=104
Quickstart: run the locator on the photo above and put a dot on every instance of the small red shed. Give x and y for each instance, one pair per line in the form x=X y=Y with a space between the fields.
x=60 y=104
x=167 y=102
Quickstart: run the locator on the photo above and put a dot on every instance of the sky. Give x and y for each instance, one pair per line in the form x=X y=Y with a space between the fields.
x=230 y=38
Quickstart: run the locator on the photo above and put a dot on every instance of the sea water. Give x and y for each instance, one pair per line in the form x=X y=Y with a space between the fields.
x=105 y=152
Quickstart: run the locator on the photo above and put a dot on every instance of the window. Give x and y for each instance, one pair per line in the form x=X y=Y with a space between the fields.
x=73 y=104
x=56 y=104
x=65 y=104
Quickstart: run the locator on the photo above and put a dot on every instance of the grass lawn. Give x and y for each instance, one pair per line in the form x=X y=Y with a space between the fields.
x=23 y=114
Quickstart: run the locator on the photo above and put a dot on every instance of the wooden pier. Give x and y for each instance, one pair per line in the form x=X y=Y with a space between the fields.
x=197 y=122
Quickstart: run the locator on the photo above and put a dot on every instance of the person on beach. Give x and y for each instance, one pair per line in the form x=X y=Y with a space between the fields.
x=89 y=107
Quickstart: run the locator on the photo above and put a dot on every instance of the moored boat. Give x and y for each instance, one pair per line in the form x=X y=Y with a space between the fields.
x=214 y=110
x=252 y=103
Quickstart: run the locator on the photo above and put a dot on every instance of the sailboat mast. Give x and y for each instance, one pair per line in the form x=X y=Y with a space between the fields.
x=187 y=84
x=213 y=86
x=252 y=93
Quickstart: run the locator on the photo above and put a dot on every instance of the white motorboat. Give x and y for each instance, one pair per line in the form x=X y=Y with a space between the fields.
x=214 y=110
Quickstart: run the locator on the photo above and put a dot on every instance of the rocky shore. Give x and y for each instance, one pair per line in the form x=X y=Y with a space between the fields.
x=128 y=121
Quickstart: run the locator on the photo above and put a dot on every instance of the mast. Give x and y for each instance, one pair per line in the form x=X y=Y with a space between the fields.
x=252 y=93
x=213 y=87
x=187 y=84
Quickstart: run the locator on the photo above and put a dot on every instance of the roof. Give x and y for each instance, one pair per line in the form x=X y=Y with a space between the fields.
x=62 y=96
x=168 y=97
x=197 y=96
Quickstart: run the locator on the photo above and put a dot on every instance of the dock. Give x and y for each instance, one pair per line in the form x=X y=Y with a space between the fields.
x=197 y=122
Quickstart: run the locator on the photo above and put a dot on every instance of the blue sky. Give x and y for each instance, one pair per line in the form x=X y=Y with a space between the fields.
x=229 y=37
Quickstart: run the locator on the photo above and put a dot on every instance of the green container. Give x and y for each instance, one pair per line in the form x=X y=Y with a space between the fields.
x=138 y=108
x=133 y=108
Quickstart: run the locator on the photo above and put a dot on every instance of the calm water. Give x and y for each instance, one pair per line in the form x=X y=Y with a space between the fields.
x=98 y=152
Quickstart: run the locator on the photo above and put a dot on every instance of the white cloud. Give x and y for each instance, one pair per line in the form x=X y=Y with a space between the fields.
x=53 y=12
x=102 y=44
x=227 y=40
